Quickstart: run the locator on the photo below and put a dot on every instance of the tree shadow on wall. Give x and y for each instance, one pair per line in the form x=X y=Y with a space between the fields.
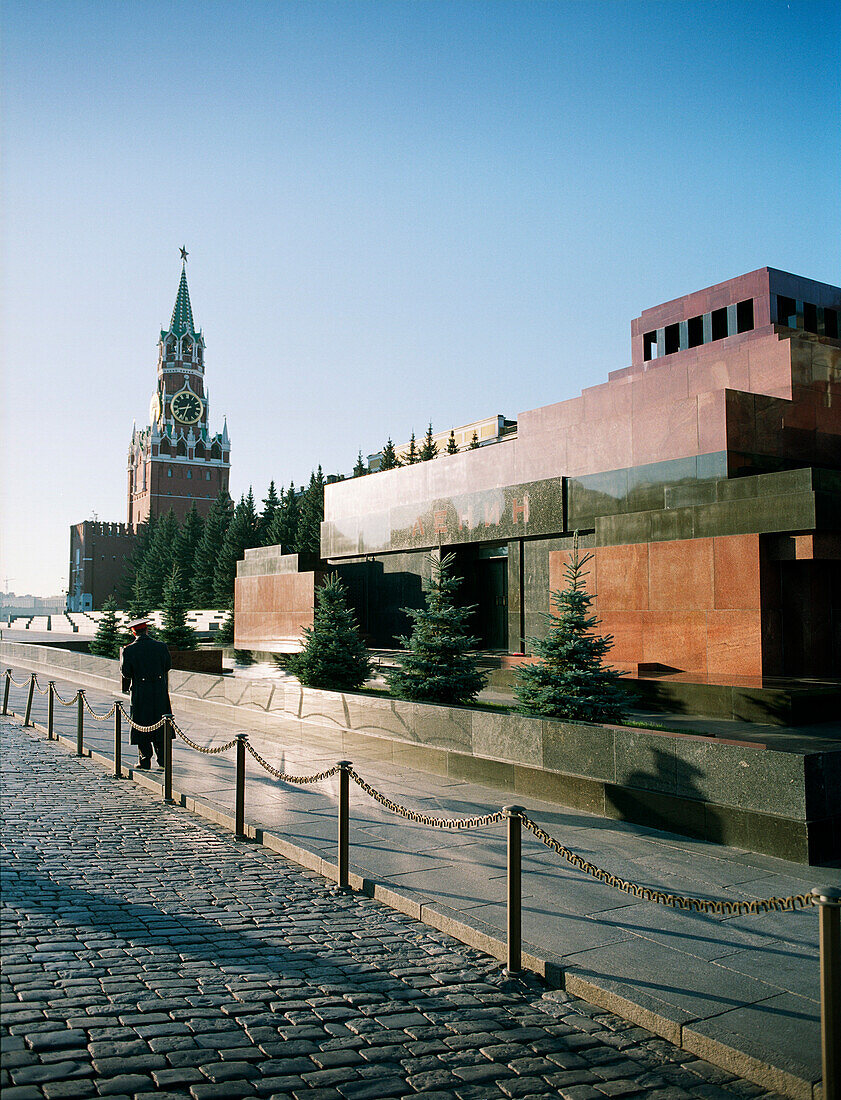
x=668 y=798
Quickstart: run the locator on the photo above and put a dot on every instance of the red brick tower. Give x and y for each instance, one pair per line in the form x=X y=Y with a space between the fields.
x=175 y=460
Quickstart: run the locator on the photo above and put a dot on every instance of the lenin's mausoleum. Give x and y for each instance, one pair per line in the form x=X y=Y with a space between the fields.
x=706 y=478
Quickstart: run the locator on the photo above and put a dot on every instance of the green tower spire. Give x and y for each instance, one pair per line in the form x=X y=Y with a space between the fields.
x=182 y=313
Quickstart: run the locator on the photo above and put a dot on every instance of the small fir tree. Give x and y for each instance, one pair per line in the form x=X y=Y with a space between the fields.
x=452 y=446
x=204 y=564
x=311 y=515
x=109 y=638
x=225 y=634
x=175 y=631
x=334 y=655
x=571 y=681
x=474 y=442
x=158 y=561
x=411 y=456
x=186 y=544
x=429 y=448
x=389 y=461
x=271 y=506
x=142 y=538
x=242 y=534
x=438 y=666
x=360 y=469
x=284 y=530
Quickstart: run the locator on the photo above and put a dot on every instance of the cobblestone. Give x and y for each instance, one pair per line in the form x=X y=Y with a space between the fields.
x=149 y=953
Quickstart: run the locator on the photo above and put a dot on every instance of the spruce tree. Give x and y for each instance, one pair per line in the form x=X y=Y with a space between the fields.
x=389 y=461
x=429 y=448
x=334 y=655
x=360 y=469
x=204 y=564
x=175 y=631
x=109 y=638
x=242 y=534
x=438 y=666
x=186 y=544
x=225 y=634
x=570 y=680
x=142 y=538
x=474 y=442
x=452 y=446
x=312 y=513
x=157 y=564
x=284 y=530
x=412 y=456
x=271 y=505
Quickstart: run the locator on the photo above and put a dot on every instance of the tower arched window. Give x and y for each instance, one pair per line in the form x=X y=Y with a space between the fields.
x=165 y=448
x=216 y=451
x=199 y=357
x=200 y=450
x=170 y=347
x=186 y=348
x=181 y=449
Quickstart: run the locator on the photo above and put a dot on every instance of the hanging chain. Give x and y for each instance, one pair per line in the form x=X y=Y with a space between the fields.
x=675 y=901
x=93 y=714
x=301 y=779
x=202 y=748
x=425 y=819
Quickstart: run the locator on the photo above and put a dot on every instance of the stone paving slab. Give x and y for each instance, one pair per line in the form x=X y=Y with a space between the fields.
x=146 y=952
x=567 y=917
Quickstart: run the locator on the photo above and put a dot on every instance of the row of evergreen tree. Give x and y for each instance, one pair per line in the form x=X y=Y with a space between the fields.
x=423 y=452
x=206 y=549
x=569 y=678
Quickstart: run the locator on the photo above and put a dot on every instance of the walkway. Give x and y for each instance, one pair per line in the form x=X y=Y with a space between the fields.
x=741 y=991
x=146 y=952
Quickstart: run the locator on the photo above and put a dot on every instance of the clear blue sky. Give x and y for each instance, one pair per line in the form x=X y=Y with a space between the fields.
x=395 y=213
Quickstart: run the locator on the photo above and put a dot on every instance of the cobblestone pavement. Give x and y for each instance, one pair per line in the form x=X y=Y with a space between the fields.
x=146 y=952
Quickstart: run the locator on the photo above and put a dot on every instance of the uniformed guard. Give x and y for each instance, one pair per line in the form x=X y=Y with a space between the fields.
x=144 y=666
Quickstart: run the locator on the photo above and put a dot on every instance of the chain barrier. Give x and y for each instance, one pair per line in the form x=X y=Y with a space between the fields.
x=200 y=748
x=675 y=901
x=94 y=715
x=66 y=702
x=425 y=819
x=40 y=690
x=282 y=776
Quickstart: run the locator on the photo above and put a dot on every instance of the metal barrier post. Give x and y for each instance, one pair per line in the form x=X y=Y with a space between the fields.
x=829 y=920
x=242 y=738
x=6 y=691
x=51 y=710
x=515 y=890
x=342 y=877
x=118 y=741
x=80 y=722
x=29 y=700
x=168 y=735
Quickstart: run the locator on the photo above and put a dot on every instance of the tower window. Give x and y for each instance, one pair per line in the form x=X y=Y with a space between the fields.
x=190 y=474
x=719 y=323
x=649 y=346
x=169 y=471
x=207 y=475
x=672 y=339
x=786 y=311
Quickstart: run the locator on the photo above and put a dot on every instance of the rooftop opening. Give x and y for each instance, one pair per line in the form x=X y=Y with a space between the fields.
x=719 y=323
x=744 y=315
x=672 y=339
x=649 y=346
x=695 y=331
x=786 y=311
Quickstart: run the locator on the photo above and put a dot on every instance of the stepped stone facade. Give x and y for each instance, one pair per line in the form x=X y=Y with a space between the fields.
x=705 y=477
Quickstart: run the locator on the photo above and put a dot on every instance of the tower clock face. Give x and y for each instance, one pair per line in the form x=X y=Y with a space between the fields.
x=155 y=409
x=187 y=407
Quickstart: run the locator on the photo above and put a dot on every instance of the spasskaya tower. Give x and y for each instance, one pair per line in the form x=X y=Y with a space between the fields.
x=175 y=460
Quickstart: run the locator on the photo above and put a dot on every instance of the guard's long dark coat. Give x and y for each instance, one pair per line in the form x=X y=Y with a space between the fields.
x=144 y=666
